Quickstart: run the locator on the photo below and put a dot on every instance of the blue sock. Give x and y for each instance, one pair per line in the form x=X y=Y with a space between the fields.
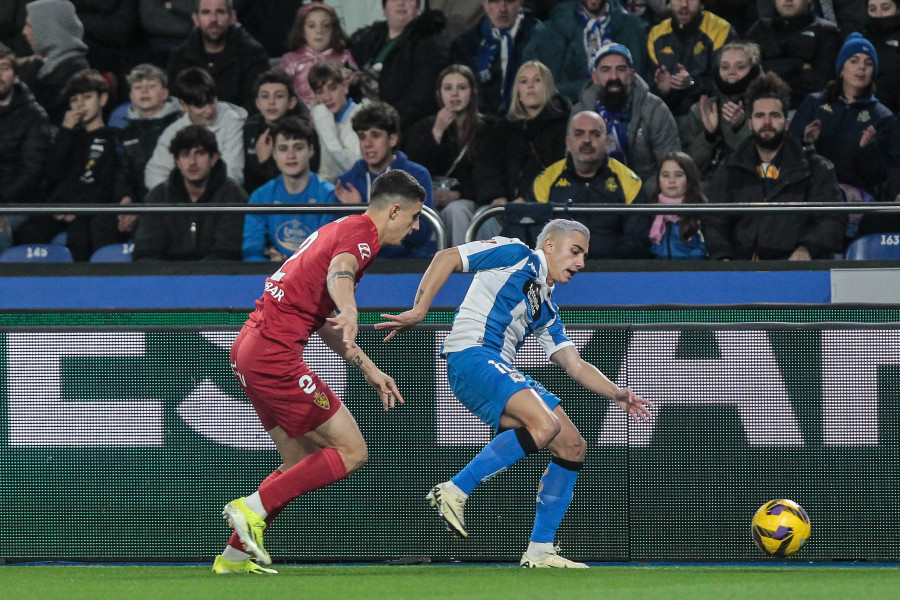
x=557 y=487
x=503 y=451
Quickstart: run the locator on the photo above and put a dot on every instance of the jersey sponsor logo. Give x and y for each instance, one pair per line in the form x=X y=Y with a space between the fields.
x=532 y=291
x=321 y=400
x=364 y=251
x=864 y=117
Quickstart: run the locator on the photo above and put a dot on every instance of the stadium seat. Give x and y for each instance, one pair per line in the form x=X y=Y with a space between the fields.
x=37 y=253
x=60 y=238
x=113 y=253
x=876 y=246
x=524 y=220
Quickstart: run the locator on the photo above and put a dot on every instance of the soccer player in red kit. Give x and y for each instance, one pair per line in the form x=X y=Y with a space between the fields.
x=313 y=292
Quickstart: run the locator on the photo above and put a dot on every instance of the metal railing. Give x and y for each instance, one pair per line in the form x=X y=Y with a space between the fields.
x=684 y=209
x=428 y=214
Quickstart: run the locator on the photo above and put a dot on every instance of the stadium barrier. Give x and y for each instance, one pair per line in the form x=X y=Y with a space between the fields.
x=123 y=434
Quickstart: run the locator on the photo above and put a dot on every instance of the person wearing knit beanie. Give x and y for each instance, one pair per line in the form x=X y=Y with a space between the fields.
x=856 y=44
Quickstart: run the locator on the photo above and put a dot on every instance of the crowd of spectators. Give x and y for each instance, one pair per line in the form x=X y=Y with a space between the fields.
x=519 y=103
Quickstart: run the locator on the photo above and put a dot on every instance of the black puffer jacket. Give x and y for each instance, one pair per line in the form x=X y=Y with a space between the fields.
x=802 y=178
x=520 y=150
x=885 y=36
x=801 y=50
x=184 y=236
x=25 y=136
x=409 y=72
x=48 y=89
x=235 y=70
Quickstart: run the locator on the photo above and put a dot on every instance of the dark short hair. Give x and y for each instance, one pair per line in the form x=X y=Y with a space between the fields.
x=769 y=85
x=194 y=136
x=274 y=76
x=7 y=53
x=396 y=185
x=196 y=87
x=377 y=115
x=87 y=80
x=229 y=6
x=323 y=72
x=294 y=128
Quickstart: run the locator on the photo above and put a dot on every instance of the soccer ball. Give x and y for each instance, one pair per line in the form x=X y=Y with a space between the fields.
x=780 y=527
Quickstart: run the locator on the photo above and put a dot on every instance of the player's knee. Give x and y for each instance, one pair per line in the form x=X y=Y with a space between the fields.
x=355 y=458
x=569 y=446
x=545 y=430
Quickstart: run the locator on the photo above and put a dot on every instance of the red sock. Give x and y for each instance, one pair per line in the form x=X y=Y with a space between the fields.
x=235 y=541
x=313 y=472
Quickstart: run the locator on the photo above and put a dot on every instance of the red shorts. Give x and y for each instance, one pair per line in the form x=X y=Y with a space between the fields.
x=283 y=389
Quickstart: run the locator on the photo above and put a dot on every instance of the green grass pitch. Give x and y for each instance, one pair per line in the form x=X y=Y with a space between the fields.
x=452 y=582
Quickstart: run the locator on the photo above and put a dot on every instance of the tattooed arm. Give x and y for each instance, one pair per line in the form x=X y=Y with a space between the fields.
x=341 y=282
x=442 y=266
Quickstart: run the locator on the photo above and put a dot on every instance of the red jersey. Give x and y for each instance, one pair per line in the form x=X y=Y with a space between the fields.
x=296 y=301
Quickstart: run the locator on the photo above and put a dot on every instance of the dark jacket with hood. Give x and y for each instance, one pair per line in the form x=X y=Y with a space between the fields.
x=58 y=40
x=802 y=178
x=235 y=69
x=199 y=236
x=25 y=136
x=409 y=72
x=885 y=36
x=801 y=50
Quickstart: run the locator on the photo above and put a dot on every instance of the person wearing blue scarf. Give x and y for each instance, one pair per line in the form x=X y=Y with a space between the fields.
x=493 y=49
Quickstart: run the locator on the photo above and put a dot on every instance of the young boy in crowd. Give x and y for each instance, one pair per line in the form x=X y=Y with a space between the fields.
x=276 y=237
x=275 y=98
x=377 y=126
x=150 y=112
x=197 y=94
x=81 y=169
x=332 y=116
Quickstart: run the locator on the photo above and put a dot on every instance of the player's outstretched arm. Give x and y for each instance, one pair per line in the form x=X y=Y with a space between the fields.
x=591 y=378
x=341 y=282
x=382 y=383
x=442 y=266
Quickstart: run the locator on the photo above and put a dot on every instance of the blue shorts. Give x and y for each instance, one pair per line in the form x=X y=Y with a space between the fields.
x=484 y=383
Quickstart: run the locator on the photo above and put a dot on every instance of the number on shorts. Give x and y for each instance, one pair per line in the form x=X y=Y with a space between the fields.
x=307 y=384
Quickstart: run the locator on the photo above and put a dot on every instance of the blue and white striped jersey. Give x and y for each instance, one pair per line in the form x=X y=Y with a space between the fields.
x=508 y=299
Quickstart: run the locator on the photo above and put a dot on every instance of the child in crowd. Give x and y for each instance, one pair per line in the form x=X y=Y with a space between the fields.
x=678 y=237
x=151 y=110
x=332 y=116
x=276 y=237
x=197 y=94
x=317 y=35
x=378 y=127
x=81 y=169
x=275 y=98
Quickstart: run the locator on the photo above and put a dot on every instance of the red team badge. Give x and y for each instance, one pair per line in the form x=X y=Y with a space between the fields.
x=321 y=400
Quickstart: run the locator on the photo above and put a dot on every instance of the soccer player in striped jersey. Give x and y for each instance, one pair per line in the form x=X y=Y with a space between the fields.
x=509 y=298
x=313 y=292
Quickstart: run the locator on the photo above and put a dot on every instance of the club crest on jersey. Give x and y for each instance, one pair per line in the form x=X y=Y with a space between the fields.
x=364 y=251
x=532 y=291
x=321 y=400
